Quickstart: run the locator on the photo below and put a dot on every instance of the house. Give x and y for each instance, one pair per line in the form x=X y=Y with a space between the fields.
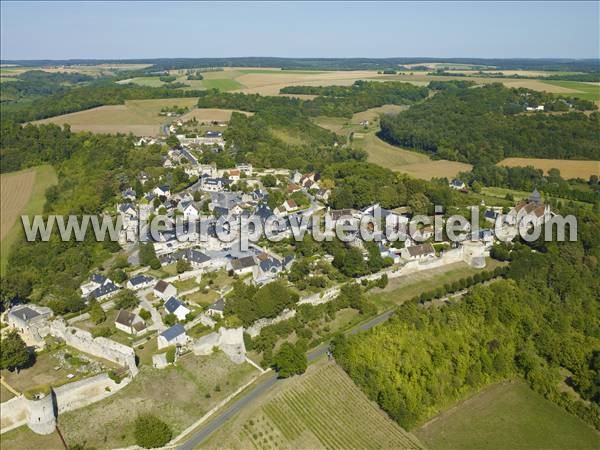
x=263 y=212
x=130 y=323
x=296 y=176
x=140 y=282
x=127 y=210
x=245 y=168
x=323 y=195
x=267 y=268
x=143 y=177
x=217 y=308
x=211 y=184
x=162 y=191
x=233 y=174
x=105 y=291
x=457 y=184
x=241 y=266
x=418 y=252
x=288 y=206
x=174 y=306
x=533 y=207
x=534 y=108
x=190 y=212
x=25 y=317
x=99 y=287
x=128 y=194
x=490 y=215
x=196 y=258
x=172 y=336
x=164 y=290
x=293 y=187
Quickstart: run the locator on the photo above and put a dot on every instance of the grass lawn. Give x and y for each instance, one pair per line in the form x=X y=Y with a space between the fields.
x=507 y=416
x=498 y=192
x=587 y=91
x=185 y=285
x=406 y=287
x=179 y=395
x=321 y=409
x=145 y=354
x=51 y=369
x=200 y=298
x=224 y=84
x=22 y=192
x=5 y=394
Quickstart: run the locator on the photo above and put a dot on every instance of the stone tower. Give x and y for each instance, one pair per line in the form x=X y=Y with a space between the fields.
x=41 y=413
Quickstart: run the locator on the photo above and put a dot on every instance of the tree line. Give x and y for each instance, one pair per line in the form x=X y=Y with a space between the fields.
x=544 y=317
x=485 y=125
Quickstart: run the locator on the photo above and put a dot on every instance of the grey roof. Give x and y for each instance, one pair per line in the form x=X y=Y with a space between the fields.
x=196 y=256
x=125 y=317
x=270 y=265
x=26 y=313
x=103 y=290
x=490 y=214
x=164 y=187
x=243 y=263
x=219 y=305
x=172 y=304
x=422 y=249
x=173 y=332
x=264 y=212
x=98 y=278
x=456 y=182
x=140 y=279
x=535 y=196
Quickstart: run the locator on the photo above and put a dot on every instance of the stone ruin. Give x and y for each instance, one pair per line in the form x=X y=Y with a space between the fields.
x=228 y=340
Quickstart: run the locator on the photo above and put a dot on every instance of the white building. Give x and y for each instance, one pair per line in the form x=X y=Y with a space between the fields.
x=172 y=336
x=164 y=290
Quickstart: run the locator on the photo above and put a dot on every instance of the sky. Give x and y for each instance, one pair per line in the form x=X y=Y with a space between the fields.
x=121 y=30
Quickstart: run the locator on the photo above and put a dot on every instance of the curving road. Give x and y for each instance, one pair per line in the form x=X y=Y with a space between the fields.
x=267 y=383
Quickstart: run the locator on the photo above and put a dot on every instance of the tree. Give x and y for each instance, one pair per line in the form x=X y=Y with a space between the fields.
x=172 y=141
x=148 y=256
x=145 y=314
x=96 y=312
x=476 y=187
x=290 y=360
x=126 y=299
x=117 y=275
x=170 y=319
x=269 y=181
x=183 y=265
x=151 y=432
x=13 y=351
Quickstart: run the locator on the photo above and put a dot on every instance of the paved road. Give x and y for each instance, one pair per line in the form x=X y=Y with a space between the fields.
x=264 y=385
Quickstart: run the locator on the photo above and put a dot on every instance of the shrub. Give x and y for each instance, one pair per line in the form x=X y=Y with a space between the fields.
x=171 y=355
x=145 y=314
x=151 y=432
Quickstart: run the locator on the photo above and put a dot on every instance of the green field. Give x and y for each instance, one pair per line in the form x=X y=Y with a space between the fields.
x=23 y=192
x=179 y=395
x=224 y=84
x=321 y=409
x=588 y=91
x=507 y=416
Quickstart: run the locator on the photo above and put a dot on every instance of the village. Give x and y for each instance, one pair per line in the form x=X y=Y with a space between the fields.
x=167 y=297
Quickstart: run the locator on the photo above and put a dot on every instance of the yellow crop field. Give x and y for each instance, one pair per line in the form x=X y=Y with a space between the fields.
x=568 y=168
x=139 y=117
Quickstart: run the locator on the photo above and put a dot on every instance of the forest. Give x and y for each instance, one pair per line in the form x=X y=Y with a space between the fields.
x=544 y=318
x=530 y=178
x=487 y=124
x=93 y=169
x=81 y=97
